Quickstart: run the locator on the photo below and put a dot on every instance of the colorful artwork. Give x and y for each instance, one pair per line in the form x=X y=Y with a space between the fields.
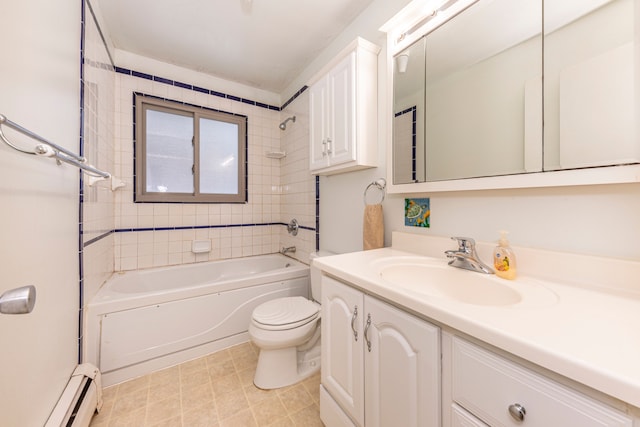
x=417 y=212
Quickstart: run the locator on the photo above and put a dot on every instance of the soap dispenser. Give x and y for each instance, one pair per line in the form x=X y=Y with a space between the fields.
x=504 y=259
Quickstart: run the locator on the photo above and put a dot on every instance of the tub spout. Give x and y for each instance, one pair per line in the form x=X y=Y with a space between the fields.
x=291 y=249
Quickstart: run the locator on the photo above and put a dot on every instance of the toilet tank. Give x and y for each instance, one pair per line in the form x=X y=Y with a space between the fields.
x=315 y=275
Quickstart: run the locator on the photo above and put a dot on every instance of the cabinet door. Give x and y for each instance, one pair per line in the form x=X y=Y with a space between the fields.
x=319 y=124
x=342 y=370
x=342 y=84
x=402 y=368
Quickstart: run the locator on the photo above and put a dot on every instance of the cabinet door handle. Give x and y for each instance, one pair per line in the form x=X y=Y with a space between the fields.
x=324 y=147
x=328 y=145
x=353 y=322
x=366 y=332
x=517 y=411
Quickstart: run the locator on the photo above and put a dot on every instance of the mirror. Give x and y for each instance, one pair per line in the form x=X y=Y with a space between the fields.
x=469 y=103
x=409 y=100
x=591 y=88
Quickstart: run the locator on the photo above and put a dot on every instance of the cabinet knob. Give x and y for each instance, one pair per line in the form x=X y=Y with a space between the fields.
x=517 y=411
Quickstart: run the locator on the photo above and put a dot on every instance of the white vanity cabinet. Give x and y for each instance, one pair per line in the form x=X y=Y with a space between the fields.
x=380 y=365
x=500 y=392
x=343 y=111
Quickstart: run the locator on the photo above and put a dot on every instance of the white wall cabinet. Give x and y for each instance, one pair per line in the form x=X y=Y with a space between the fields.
x=370 y=344
x=343 y=111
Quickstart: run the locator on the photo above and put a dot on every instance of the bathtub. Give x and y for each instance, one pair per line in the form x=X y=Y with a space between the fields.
x=144 y=320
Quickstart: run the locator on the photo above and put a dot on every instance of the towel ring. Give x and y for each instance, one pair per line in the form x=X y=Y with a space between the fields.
x=380 y=184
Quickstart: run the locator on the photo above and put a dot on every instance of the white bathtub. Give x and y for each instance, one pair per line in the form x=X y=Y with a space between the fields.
x=145 y=320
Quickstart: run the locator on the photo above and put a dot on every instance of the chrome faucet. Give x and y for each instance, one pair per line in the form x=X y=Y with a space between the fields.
x=466 y=257
x=291 y=249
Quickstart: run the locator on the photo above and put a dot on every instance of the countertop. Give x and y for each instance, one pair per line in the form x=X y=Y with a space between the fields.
x=588 y=335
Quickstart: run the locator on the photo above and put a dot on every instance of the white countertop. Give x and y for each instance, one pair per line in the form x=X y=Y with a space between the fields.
x=590 y=336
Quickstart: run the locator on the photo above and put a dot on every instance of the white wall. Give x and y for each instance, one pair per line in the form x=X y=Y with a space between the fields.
x=39 y=217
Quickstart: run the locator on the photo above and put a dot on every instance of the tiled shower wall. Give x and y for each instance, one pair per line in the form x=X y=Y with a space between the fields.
x=97 y=210
x=161 y=234
x=298 y=199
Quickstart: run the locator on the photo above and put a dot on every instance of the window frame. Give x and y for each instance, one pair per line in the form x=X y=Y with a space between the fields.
x=144 y=102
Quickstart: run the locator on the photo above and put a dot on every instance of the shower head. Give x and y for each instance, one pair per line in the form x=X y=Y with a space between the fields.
x=283 y=125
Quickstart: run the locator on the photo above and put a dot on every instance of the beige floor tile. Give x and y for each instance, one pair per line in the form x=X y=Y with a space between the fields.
x=212 y=391
x=196 y=397
x=134 y=385
x=165 y=376
x=246 y=376
x=312 y=385
x=192 y=366
x=221 y=368
x=269 y=410
x=226 y=384
x=202 y=416
x=194 y=379
x=129 y=402
x=296 y=398
x=163 y=391
x=307 y=417
x=229 y=404
x=103 y=416
x=241 y=350
x=245 y=361
x=163 y=410
x=218 y=356
x=243 y=418
x=109 y=393
x=283 y=422
x=171 y=422
x=130 y=419
x=255 y=394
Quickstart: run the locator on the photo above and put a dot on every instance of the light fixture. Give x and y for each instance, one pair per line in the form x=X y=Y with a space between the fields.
x=402 y=61
x=429 y=12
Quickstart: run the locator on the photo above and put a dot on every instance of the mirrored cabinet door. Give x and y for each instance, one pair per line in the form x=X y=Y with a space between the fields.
x=483 y=91
x=591 y=83
x=408 y=114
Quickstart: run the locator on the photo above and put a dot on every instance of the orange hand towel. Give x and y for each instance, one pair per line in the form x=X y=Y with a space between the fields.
x=373 y=227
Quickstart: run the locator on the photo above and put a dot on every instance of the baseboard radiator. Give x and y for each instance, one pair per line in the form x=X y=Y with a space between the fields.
x=80 y=399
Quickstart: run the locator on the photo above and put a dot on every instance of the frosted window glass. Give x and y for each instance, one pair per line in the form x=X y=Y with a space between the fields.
x=189 y=154
x=169 y=154
x=218 y=157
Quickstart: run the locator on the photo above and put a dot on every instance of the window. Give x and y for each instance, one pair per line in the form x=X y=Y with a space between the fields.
x=188 y=154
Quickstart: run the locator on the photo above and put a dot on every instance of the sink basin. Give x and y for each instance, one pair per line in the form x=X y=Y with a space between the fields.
x=434 y=278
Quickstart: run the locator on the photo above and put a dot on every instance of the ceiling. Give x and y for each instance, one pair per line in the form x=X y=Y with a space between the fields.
x=264 y=44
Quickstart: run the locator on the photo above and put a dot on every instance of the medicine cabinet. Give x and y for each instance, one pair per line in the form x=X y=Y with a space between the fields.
x=508 y=93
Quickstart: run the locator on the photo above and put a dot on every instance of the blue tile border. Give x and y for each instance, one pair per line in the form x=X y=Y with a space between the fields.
x=414 y=148
x=212 y=92
x=185 y=227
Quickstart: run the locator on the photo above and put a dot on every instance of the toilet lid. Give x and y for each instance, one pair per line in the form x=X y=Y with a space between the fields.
x=286 y=311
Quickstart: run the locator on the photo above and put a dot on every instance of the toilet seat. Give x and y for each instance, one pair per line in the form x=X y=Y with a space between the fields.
x=285 y=313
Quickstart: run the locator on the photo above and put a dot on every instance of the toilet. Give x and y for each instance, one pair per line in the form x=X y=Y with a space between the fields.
x=287 y=332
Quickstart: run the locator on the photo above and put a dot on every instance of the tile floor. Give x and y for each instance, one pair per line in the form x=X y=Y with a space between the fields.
x=213 y=391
